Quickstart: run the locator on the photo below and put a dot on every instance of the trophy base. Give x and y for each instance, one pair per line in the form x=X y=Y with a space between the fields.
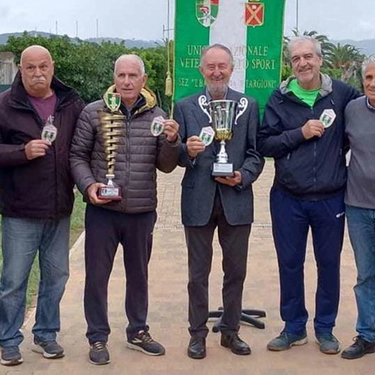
x=110 y=193
x=222 y=170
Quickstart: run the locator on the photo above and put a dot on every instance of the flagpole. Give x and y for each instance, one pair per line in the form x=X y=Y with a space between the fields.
x=168 y=80
x=297 y=12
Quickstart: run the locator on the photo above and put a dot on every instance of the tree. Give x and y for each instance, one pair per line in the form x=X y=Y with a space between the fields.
x=157 y=66
x=346 y=60
x=88 y=67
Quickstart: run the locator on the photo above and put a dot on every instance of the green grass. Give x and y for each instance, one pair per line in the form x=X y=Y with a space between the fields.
x=77 y=219
x=76 y=228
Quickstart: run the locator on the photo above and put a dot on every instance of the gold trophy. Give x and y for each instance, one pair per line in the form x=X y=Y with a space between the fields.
x=223 y=115
x=112 y=132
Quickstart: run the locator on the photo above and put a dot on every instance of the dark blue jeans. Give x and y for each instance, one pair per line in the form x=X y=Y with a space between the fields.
x=291 y=220
x=105 y=230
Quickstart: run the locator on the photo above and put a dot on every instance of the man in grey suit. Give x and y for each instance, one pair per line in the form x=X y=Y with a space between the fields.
x=224 y=202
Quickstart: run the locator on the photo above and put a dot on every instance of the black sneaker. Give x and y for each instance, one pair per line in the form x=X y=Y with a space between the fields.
x=144 y=343
x=360 y=348
x=99 y=354
x=49 y=349
x=11 y=356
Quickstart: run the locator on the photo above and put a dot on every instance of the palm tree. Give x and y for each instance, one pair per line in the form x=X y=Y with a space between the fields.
x=346 y=59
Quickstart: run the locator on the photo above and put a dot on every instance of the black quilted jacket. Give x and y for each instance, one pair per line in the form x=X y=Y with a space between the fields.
x=139 y=155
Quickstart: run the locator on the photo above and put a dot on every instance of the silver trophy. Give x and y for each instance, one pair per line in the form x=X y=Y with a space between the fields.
x=223 y=114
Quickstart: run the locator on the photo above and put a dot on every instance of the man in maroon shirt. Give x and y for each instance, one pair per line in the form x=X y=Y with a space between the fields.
x=37 y=120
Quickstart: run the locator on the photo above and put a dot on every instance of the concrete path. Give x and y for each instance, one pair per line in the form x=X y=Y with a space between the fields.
x=168 y=308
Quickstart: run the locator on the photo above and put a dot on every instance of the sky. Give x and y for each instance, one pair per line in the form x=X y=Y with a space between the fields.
x=148 y=19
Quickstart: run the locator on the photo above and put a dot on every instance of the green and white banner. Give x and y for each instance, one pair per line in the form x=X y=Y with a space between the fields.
x=252 y=30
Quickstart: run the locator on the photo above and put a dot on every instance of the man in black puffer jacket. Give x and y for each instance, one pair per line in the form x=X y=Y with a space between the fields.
x=125 y=138
x=303 y=130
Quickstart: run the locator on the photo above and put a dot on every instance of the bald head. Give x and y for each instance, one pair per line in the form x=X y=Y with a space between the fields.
x=35 y=51
x=37 y=69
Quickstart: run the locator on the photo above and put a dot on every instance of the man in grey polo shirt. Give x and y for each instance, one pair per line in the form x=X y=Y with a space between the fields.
x=360 y=208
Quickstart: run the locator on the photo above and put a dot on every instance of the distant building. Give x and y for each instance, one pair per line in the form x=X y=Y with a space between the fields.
x=8 y=70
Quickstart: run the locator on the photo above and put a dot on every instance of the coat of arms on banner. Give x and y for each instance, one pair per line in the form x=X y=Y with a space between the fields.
x=206 y=11
x=254 y=13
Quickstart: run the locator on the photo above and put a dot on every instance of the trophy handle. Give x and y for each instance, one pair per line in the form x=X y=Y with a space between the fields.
x=202 y=100
x=242 y=106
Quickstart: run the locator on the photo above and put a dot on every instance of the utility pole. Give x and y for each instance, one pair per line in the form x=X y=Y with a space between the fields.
x=167 y=29
x=297 y=14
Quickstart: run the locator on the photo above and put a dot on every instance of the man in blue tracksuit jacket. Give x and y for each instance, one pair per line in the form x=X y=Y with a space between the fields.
x=303 y=130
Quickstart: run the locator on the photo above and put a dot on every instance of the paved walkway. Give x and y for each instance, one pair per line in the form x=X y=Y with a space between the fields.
x=168 y=309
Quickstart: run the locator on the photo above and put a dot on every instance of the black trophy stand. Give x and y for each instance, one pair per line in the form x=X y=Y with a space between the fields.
x=249 y=316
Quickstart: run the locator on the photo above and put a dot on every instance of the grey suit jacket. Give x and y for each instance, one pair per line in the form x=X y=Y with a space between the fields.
x=198 y=186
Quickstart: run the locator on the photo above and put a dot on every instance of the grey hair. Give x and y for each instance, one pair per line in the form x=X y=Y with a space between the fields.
x=131 y=57
x=370 y=60
x=303 y=39
x=219 y=46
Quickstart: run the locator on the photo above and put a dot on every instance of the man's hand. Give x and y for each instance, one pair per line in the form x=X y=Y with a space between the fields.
x=312 y=128
x=36 y=148
x=92 y=193
x=170 y=130
x=194 y=146
x=231 y=181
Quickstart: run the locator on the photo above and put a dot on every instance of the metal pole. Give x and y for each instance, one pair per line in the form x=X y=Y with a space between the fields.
x=168 y=22
x=297 y=25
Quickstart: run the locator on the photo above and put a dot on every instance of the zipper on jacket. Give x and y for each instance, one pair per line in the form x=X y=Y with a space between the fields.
x=313 y=111
x=314 y=169
x=127 y=154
